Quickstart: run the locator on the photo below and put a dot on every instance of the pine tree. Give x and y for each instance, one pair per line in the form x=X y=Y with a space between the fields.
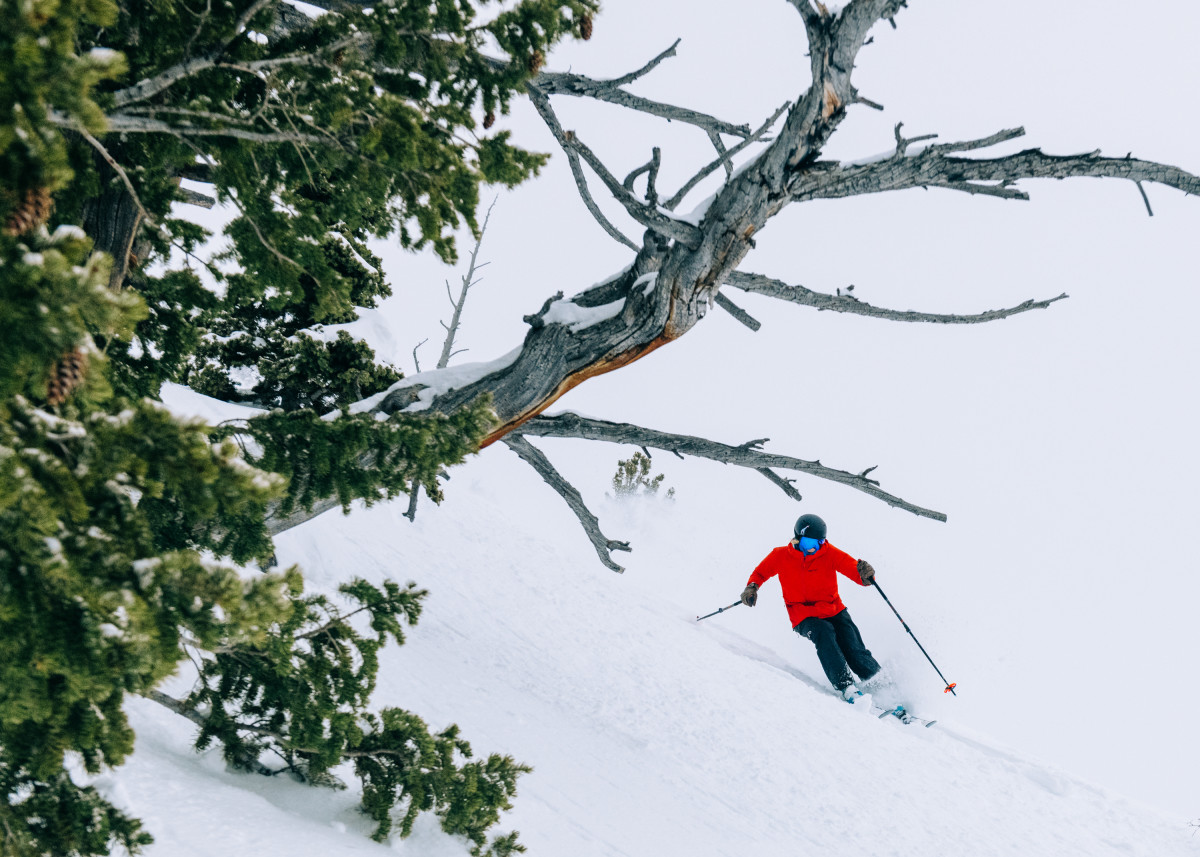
x=91 y=604
x=321 y=133
x=633 y=478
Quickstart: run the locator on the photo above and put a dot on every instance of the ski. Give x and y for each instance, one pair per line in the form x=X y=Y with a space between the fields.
x=902 y=714
x=898 y=711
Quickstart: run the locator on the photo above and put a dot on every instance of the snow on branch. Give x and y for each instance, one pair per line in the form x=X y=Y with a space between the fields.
x=747 y=454
x=591 y=524
x=773 y=288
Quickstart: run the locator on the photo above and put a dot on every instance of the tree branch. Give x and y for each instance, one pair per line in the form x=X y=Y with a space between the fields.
x=178 y=706
x=591 y=525
x=117 y=168
x=163 y=80
x=1145 y=199
x=169 y=77
x=244 y=21
x=807 y=12
x=784 y=485
x=719 y=145
x=192 y=197
x=569 y=424
x=411 y=514
x=651 y=167
x=935 y=166
x=670 y=286
x=725 y=156
x=644 y=70
x=542 y=104
x=467 y=282
x=126 y=123
x=737 y=312
x=649 y=216
x=249 y=762
x=759 y=284
x=562 y=83
x=175 y=705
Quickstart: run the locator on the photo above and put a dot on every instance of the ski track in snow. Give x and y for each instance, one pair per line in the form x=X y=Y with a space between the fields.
x=650 y=734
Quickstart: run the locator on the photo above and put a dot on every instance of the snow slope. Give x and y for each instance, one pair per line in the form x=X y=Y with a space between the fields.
x=649 y=733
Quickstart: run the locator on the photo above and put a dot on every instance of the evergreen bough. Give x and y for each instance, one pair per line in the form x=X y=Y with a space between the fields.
x=633 y=478
x=116 y=518
x=303 y=696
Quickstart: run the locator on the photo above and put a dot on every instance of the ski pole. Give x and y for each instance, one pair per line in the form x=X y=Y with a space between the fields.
x=715 y=612
x=949 y=685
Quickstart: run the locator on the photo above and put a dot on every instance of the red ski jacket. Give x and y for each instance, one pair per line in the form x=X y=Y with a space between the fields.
x=809 y=583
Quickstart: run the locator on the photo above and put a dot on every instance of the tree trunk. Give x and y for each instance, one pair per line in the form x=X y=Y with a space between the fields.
x=113 y=220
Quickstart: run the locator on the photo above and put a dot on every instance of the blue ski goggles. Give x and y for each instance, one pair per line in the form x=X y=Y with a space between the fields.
x=808 y=546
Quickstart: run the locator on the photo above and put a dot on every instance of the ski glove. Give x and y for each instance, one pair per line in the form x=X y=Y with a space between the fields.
x=750 y=594
x=865 y=572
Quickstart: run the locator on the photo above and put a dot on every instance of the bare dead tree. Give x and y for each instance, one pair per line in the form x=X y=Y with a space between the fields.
x=458 y=303
x=679 y=266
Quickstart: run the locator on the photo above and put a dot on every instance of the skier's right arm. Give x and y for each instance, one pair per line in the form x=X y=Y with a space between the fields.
x=765 y=571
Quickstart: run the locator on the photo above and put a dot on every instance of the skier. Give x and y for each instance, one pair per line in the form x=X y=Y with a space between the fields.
x=807 y=568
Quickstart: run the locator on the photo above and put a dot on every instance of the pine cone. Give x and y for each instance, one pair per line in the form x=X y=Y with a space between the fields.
x=585 y=27
x=490 y=119
x=536 y=62
x=66 y=377
x=33 y=211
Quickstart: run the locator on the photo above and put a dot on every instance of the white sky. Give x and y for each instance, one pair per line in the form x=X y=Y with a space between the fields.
x=1061 y=594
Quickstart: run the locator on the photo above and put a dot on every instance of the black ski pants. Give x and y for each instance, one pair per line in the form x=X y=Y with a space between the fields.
x=840 y=648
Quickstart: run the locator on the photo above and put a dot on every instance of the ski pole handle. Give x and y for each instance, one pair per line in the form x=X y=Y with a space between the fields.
x=715 y=612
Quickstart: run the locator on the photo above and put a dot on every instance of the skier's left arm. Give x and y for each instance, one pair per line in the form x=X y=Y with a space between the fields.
x=858 y=570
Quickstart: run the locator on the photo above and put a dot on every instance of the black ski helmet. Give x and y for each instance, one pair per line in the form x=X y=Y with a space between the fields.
x=811 y=526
